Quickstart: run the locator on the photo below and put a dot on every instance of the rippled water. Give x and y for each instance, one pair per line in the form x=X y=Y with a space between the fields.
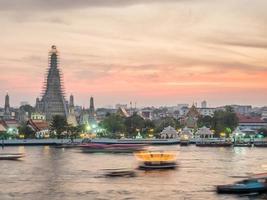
x=49 y=173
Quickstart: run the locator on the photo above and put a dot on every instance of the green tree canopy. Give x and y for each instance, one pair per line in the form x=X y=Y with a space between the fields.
x=59 y=125
x=133 y=124
x=224 y=121
x=114 y=124
x=205 y=121
x=26 y=131
x=27 y=108
x=166 y=121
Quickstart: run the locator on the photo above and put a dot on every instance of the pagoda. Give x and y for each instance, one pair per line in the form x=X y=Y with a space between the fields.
x=53 y=101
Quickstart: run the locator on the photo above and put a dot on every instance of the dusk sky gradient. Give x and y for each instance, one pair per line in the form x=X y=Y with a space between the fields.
x=153 y=52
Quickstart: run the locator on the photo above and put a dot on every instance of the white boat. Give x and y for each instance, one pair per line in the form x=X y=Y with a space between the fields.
x=11 y=156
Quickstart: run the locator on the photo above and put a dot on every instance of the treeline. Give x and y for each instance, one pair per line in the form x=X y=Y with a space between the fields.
x=117 y=126
x=222 y=122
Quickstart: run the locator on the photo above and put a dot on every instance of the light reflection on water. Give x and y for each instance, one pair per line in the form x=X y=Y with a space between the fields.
x=49 y=173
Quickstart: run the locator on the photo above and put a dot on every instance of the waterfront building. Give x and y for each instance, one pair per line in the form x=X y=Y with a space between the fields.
x=204 y=133
x=250 y=122
x=2 y=128
x=186 y=133
x=40 y=127
x=11 y=125
x=53 y=101
x=169 y=132
x=240 y=136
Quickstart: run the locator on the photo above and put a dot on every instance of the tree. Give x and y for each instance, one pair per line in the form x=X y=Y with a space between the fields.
x=73 y=131
x=26 y=131
x=59 y=125
x=27 y=108
x=134 y=124
x=204 y=121
x=165 y=122
x=114 y=125
x=224 y=121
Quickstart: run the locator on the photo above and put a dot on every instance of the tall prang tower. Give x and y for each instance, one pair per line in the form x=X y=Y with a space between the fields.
x=92 y=114
x=7 y=112
x=53 y=101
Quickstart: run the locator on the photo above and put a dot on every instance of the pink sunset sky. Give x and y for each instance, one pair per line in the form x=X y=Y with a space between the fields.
x=153 y=52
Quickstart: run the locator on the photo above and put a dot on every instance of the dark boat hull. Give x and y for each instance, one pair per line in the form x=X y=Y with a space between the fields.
x=156 y=167
x=12 y=156
x=213 y=145
x=230 y=190
x=242 y=145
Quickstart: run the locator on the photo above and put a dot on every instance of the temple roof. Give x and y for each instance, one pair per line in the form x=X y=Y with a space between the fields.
x=38 y=125
x=248 y=119
x=193 y=112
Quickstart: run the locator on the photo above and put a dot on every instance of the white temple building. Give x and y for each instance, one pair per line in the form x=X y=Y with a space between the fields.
x=186 y=133
x=204 y=132
x=169 y=132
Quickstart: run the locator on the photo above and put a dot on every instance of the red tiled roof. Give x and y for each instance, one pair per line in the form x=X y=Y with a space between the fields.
x=248 y=119
x=38 y=125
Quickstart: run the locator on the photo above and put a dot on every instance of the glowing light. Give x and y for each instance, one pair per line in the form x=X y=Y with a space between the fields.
x=94 y=126
x=88 y=127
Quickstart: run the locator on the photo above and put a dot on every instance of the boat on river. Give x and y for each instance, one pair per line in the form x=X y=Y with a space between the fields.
x=213 y=142
x=111 y=148
x=243 y=144
x=68 y=145
x=11 y=156
x=120 y=172
x=260 y=144
x=157 y=160
x=136 y=141
x=253 y=185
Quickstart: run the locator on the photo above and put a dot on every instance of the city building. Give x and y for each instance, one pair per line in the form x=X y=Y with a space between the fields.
x=246 y=122
x=242 y=109
x=40 y=127
x=206 y=111
x=147 y=113
x=11 y=125
x=117 y=106
x=169 y=132
x=53 y=101
x=204 y=104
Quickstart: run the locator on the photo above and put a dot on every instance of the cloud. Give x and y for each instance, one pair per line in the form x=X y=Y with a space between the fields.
x=248 y=43
x=71 y=4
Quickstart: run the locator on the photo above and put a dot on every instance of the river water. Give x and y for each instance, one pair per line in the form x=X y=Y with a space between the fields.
x=67 y=174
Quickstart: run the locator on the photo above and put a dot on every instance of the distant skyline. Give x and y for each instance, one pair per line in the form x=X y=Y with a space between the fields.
x=151 y=52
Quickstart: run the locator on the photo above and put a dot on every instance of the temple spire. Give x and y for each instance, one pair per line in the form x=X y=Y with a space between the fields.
x=7 y=112
x=53 y=101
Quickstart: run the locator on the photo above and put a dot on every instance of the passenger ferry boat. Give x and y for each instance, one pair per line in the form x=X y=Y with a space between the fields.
x=136 y=141
x=157 y=160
